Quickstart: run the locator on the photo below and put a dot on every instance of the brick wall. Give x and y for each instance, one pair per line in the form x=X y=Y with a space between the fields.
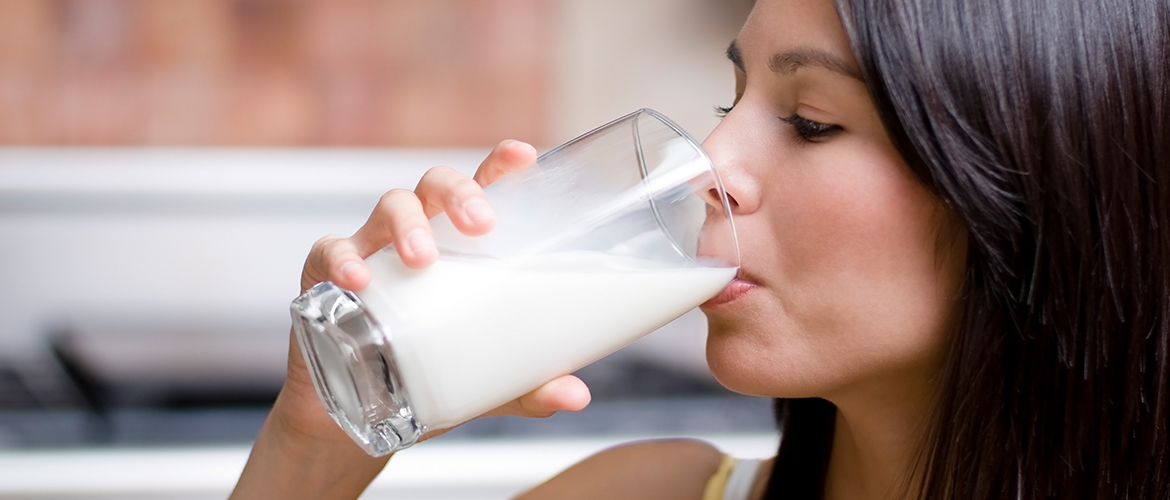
x=274 y=72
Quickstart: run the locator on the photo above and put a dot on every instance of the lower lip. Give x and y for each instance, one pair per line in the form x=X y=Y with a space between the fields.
x=734 y=290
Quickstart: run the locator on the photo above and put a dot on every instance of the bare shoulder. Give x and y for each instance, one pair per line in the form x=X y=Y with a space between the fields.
x=666 y=469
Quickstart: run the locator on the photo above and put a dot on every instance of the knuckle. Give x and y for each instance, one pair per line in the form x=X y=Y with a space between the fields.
x=393 y=196
x=324 y=240
x=445 y=187
x=324 y=245
x=441 y=170
x=394 y=206
x=337 y=248
x=434 y=177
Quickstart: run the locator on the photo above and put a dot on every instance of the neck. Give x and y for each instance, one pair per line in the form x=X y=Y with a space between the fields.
x=878 y=434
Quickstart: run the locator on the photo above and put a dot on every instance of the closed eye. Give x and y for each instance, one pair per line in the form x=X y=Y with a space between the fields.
x=808 y=130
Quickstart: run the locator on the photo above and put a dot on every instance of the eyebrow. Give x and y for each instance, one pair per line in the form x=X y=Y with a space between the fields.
x=786 y=63
x=734 y=55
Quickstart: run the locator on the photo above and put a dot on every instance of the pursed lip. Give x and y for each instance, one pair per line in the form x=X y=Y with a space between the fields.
x=738 y=287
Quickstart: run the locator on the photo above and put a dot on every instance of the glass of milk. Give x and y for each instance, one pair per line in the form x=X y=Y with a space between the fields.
x=595 y=246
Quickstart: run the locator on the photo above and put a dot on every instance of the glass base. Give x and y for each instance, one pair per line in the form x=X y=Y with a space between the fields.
x=354 y=370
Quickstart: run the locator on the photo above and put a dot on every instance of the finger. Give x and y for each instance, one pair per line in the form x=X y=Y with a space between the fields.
x=443 y=189
x=399 y=219
x=566 y=393
x=344 y=264
x=507 y=157
x=335 y=259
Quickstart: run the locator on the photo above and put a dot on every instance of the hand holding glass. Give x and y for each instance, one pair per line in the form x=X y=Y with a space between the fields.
x=595 y=246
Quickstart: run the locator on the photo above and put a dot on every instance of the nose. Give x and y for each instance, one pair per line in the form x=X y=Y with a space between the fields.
x=726 y=147
x=713 y=198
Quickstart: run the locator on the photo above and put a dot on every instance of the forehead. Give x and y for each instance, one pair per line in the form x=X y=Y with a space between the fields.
x=780 y=26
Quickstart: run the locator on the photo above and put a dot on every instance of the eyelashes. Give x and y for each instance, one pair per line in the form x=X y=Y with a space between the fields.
x=806 y=130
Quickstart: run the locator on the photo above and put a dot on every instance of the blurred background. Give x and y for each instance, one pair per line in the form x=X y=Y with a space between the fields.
x=166 y=165
x=380 y=73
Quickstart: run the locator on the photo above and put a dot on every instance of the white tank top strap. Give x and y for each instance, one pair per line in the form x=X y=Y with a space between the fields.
x=741 y=480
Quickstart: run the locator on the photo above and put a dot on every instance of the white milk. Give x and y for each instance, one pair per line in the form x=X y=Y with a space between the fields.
x=469 y=335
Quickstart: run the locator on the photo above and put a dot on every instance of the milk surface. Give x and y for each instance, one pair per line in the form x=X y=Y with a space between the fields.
x=471 y=334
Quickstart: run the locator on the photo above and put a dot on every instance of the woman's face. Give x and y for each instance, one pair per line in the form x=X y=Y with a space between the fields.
x=850 y=267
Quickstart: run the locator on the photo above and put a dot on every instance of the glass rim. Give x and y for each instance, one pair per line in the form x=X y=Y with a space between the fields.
x=695 y=145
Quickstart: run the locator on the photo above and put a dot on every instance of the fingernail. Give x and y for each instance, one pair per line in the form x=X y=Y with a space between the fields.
x=419 y=242
x=351 y=271
x=478 y=210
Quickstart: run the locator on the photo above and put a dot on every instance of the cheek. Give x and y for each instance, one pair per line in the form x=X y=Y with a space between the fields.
x=851 y=209
x=857 y=254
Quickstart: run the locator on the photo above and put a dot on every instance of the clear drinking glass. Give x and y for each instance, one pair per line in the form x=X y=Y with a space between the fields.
x=595 y=246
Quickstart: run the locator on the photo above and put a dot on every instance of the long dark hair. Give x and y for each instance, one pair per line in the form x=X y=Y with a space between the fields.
x=1045 y=125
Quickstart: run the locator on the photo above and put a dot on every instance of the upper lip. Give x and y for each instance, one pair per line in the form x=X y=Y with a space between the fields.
x=746 y=276
x=741 y=273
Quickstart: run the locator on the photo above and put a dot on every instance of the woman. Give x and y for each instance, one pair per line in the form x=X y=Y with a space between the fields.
x=955 y=226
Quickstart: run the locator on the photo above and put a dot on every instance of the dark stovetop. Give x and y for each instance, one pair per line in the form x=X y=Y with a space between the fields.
x=44 y=404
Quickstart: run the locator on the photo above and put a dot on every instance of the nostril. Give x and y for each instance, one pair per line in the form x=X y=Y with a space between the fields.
x=730 y=199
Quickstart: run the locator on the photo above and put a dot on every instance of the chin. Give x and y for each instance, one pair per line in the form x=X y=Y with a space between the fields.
x=747 y=365
x=735 y=367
